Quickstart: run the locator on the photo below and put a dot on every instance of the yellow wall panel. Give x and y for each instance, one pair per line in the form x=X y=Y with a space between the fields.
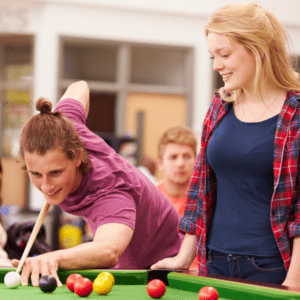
x=13 y=183
x=161 y=111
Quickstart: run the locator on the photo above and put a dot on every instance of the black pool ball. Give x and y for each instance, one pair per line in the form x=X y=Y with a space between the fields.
x=48 y=283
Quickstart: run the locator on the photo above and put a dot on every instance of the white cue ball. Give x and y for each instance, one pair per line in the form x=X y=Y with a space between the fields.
x=12 y=280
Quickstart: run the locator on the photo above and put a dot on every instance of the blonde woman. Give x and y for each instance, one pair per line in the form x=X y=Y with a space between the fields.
x=243 y=208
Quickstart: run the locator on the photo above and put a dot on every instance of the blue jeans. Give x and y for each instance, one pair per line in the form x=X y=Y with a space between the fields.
x=263 y=269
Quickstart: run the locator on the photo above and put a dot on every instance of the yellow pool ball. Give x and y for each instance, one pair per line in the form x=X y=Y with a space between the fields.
x=102 y=285
x=108 y=275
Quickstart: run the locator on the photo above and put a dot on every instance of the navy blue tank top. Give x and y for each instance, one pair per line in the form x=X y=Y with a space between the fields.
x=241 y=155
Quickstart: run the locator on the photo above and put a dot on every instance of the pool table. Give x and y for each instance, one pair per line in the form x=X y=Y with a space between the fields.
x=132 y=285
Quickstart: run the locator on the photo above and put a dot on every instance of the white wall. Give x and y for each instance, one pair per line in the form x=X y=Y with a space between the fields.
x=287 y=11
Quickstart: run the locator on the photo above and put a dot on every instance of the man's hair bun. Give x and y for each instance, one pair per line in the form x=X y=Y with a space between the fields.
x=43 y=106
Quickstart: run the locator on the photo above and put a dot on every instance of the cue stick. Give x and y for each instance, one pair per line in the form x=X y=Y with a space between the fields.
x=34 y=233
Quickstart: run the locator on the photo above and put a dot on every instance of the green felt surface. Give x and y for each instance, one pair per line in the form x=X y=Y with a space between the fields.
x=126 y=292
x=132 y=285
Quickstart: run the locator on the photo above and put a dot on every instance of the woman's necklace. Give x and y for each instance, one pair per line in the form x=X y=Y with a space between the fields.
x=263 y=110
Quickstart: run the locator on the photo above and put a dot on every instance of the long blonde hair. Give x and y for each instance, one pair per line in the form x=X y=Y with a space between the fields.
x=261 y=32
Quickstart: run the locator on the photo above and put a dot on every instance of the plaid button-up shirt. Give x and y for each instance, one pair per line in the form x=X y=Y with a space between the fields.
x=285 y=203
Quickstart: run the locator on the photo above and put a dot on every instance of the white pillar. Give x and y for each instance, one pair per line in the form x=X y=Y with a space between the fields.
x=46 y=53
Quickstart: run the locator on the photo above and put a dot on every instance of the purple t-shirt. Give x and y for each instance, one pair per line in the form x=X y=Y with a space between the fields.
x=114 y=191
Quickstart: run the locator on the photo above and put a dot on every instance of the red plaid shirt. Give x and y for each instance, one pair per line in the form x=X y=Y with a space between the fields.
x=285 y=204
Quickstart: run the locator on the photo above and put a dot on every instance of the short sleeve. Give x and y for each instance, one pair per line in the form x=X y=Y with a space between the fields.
x=72 y=109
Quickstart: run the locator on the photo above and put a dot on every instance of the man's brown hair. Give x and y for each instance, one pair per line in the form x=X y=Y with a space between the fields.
x=51 y=130
x=180 y=134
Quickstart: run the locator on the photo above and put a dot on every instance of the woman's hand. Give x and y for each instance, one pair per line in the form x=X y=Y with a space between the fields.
x=44 y=264
x=173 y=263
x=292 y=279
x=290 y=283
x=184 y=259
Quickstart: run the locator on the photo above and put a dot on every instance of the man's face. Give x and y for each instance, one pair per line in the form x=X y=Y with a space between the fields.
x=177 y=163
x=53 y=174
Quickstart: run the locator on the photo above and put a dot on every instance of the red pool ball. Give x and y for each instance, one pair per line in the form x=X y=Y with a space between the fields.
x=71 y=281
x=208 y=293
x=83 y=287
x=156 y=288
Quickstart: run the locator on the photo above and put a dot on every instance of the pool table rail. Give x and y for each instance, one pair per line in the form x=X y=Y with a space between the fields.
x=230 y=289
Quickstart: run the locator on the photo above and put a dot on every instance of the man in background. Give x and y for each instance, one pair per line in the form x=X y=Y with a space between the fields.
x=177 y=150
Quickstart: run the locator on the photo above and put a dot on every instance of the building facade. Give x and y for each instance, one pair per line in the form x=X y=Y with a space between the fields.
x=144 y=58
